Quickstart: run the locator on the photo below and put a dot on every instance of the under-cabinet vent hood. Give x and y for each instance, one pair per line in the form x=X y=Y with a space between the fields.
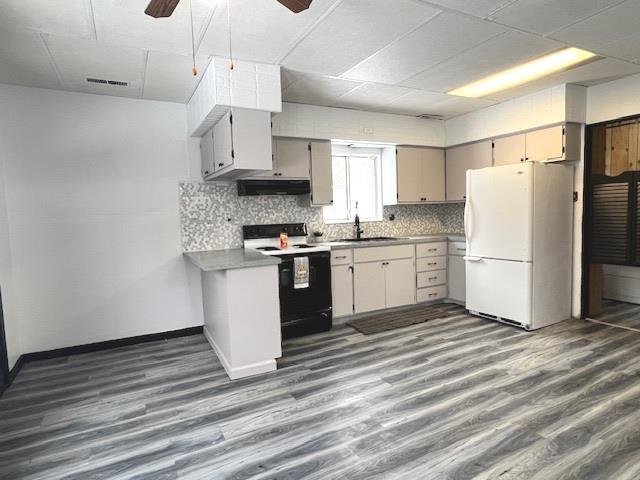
x=273 y=187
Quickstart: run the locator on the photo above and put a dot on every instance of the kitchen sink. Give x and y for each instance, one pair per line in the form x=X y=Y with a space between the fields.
x=369 y=239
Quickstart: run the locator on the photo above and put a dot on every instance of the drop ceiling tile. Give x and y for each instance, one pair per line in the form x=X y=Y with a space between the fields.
x=354 y=31
x=24 y=60
x=372 y=95
x=498 y=53
x=417 y=102
x=478 y=8
x=426 y=46
x=614 y=24
x=123 y=22
x=547 y=16
x=261 y=30
x=168 y=76
x=287 y=77
x=318 y=90
x=627 y=48
x=78 y=59
x=59 y=17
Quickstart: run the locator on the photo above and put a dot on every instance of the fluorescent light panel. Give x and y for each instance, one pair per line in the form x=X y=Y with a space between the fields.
x=527 y=72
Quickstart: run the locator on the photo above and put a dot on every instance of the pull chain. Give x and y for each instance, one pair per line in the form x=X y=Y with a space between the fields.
x=194 y=70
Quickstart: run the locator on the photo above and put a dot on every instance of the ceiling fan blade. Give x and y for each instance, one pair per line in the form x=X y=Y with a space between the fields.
x=296 y=6
x=161 y=8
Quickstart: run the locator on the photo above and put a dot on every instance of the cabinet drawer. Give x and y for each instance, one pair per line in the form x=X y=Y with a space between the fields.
x=457 y=248
x=428 y=264
x=341 y=257
x=373 y=254
x=430 y=279
x=431 y=249
x=433 y=293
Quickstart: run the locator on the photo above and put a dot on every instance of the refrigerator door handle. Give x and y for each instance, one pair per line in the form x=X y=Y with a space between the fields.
x=468 y=219
x=472 y=259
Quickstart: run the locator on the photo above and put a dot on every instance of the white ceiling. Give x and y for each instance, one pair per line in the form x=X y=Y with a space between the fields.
x=399 y=56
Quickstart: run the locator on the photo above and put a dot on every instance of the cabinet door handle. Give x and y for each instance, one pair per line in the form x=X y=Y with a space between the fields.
x=351 y=268
x=221 y=164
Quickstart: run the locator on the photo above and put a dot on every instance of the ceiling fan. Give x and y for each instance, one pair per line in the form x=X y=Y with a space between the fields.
x=164 y=8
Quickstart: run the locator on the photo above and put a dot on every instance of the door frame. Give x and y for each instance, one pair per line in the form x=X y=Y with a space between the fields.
x=587 y=208
x=4 y=358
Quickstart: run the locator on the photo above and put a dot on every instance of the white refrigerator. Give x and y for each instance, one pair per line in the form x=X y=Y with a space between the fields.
x=518 y=226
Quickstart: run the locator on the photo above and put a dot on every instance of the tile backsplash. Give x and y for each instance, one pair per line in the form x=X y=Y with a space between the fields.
x=212 y=216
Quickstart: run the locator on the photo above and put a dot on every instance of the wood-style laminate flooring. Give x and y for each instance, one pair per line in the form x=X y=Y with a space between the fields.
x=621 y=314
x=447 y=399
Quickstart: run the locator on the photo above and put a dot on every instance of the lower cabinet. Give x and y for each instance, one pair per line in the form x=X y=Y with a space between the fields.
x=369 y=287
x=384 y=277
x=399 y=286
x=457 y=281
x=342 y=289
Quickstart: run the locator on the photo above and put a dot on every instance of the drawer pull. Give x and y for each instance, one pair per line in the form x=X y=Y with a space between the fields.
x=461 y=249
x=432 y=250
x=341 y=257
x=433 y=295
x=433 y=278
x=432 y=263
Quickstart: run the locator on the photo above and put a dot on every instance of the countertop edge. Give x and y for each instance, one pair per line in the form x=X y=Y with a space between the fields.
x=404 y=241
x=230 y=259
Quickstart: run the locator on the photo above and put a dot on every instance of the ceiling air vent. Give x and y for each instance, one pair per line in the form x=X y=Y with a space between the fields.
x=431 y=116
x=118 y=83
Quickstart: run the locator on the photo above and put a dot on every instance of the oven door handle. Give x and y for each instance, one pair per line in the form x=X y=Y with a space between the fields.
x=285 y=277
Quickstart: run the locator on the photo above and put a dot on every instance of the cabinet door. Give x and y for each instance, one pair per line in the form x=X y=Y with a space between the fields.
x=545 y=144
x=408 y=165
x=321 y=173
x=432 y=181
x=456 y=278
x=292 y=158
x=251 y=131
x=368 y=287
x=459 y=160
x=342 y=290
x=509 y=150
x=222 y=143
x=400 y=282
x=206 y=154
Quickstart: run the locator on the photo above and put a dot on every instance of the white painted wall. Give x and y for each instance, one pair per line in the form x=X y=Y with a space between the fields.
x=564 y=103
x=309 y=121
x=608 y=101
x=12 y=331
x=91 y=189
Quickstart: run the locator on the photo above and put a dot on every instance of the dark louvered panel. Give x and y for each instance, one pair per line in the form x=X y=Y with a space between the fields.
x=610 y=222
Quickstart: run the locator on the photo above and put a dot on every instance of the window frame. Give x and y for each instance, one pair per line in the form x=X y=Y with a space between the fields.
x=349 y=152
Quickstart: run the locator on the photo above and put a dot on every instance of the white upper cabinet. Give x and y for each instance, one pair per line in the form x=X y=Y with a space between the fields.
x=413 y=175
x=550 y=144
x=509 y=150
x=321 y=173
x=460 y=159
x=239 y=144
x=291 y=158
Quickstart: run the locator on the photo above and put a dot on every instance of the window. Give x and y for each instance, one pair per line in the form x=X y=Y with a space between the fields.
x=356 y=181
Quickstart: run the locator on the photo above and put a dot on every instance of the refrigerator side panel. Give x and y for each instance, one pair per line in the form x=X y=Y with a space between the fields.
x=552 y=243
x=498 y=212
x=499 y=288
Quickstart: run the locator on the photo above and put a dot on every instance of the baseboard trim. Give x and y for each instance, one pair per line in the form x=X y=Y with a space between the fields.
x=235 y=373
x=95 y=347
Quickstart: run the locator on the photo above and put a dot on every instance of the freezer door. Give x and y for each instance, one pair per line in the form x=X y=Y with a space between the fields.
x=499 y=288
x=499 y=211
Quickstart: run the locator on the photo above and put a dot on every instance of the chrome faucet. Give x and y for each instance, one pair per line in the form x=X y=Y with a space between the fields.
x=356 y=225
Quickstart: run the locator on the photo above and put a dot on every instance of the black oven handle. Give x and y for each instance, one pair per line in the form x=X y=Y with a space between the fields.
x=285 y=276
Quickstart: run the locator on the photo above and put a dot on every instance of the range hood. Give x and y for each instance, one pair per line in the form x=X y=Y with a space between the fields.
x=273 y=187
